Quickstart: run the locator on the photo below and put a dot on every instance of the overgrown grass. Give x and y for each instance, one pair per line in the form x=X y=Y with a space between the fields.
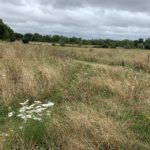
x=101 y=97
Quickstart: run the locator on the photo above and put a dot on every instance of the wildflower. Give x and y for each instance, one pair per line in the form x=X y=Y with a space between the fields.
x=10 y=114
x=21 y=127
x=37 y=102
x=20 y=115
x=34 y=111
x=29 y=116
x=49 y=104
x=25 y=103
x=35 y=118
x=37 y=107
x=39 y=110
x=23 y=117
x=48 y=113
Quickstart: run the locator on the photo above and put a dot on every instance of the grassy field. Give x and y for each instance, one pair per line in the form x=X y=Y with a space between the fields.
x=101 y=98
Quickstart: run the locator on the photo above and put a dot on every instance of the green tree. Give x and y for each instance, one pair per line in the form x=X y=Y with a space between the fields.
x=147 y=43
x=6 y=33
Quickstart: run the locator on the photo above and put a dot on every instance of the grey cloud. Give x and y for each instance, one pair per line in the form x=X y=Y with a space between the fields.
x=86 y=18
x=129 y=5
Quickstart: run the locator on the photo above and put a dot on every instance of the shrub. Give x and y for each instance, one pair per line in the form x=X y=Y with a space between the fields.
x=61 y=42
x=53 y=44
x=12 y=39
x=25 y=40
x=141 y=46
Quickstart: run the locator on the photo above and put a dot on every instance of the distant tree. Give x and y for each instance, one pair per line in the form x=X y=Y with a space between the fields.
x=12 y=38
x=141 y=41
x=147 y=43
x=28 y=36
x=61 y=42
x=55 y=38
x=46 y=38
x=141 y=46
x=18 y=36
x=104 y=45
x=6 y=33
x=35 y=37
x=136 y=43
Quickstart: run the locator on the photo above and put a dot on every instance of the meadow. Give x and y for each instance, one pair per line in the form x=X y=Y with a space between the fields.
x=101 y=97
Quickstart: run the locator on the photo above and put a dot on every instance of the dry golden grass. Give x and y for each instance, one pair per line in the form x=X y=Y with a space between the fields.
x=25 y=70
x=86 y=129
x=124 y=84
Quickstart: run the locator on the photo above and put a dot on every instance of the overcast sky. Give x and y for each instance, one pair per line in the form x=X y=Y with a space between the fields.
x=114 y=19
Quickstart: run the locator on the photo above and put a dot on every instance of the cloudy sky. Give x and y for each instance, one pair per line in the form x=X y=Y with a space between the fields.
x=114 y=19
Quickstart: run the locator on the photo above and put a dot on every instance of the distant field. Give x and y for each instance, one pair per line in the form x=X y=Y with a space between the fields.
x=101 y=97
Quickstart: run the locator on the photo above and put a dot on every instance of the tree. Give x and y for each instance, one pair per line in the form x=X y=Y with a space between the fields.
x=147 y=43
x=55 y=38
x=141 y=46
x=140 y=41
x=62 y=42
x=6 y=33
x=18 y=36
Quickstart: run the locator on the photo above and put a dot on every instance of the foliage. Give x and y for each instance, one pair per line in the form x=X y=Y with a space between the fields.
x=6 y=33
x=25 y=40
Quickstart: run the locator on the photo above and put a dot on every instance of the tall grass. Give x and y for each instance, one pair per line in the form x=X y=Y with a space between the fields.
x=101 y=97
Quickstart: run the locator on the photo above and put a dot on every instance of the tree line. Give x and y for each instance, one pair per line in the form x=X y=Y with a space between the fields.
x=6 y=33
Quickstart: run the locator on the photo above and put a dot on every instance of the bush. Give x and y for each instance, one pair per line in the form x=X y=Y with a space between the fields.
x=141 y=46
x=12 y=39
x=53 y=44
x=127 y=46
x=61 y=42
x=105 y=46
x=25 y=40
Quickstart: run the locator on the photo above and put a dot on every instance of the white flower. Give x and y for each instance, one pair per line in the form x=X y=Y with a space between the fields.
x=22 y=110
x=25 y=103
x=37 y=102
x=34 y=111
x=23 y=117
x=10 y=114
x=21 y=127
x=39 y=110
x=20 y=115
x=49 y=104
x=29 y=116
x=37 y=107
x=35 y=118
x=48 y=114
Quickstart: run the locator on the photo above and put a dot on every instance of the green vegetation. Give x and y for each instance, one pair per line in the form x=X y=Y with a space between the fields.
x=100 y=96
x=7 y=34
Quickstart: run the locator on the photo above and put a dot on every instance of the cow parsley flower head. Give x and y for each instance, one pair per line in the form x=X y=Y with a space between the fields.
x=10 y=114
x=34 y=111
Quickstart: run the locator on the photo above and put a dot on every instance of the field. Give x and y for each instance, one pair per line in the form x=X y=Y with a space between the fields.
x=101 y=98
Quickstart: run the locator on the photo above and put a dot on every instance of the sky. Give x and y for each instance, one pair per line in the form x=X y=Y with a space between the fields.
x=90 y=19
